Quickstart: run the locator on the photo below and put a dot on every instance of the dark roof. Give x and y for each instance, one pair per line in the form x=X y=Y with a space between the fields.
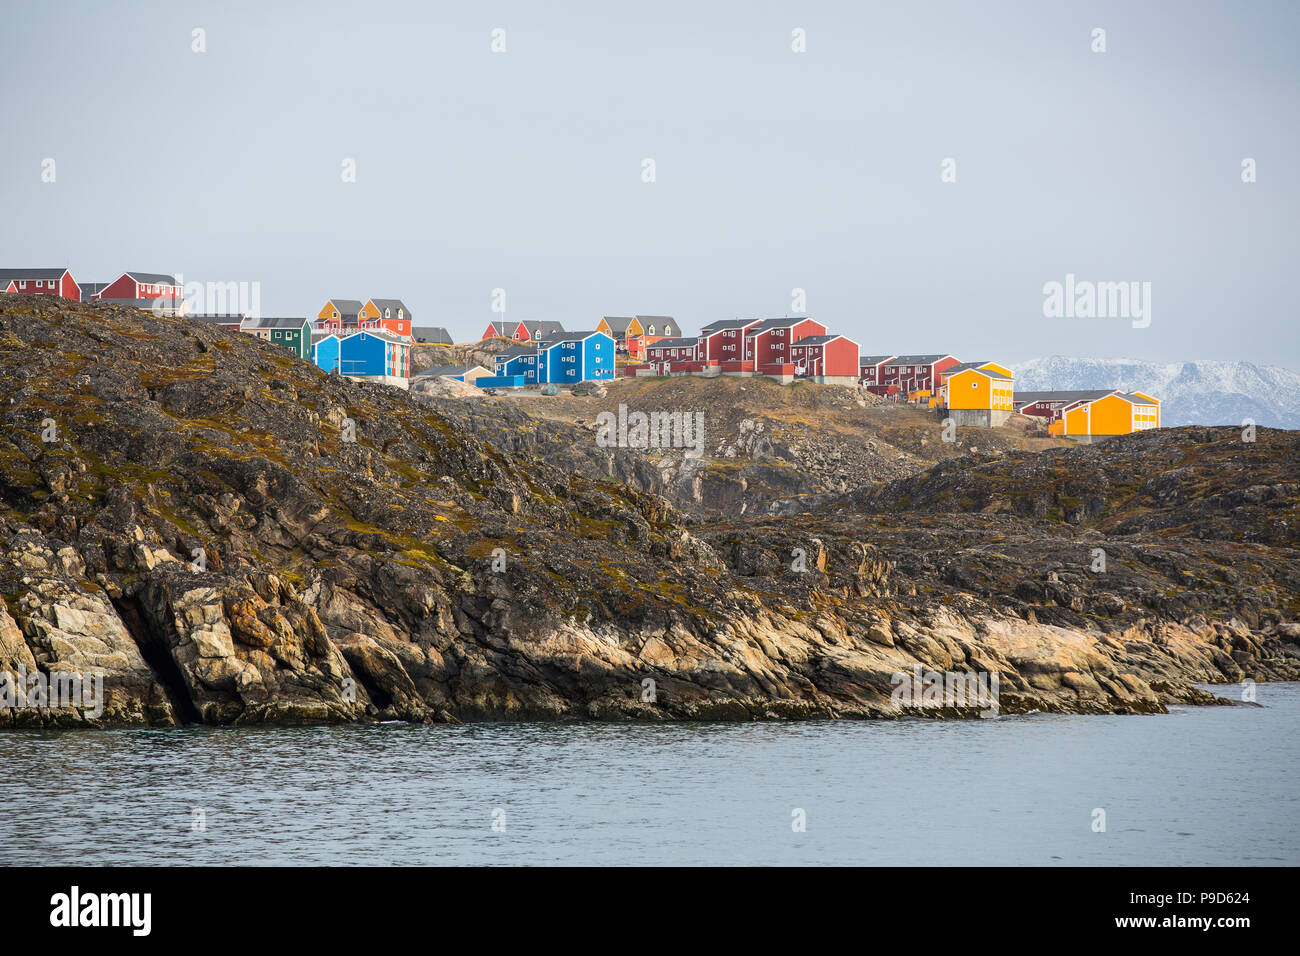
x=153 y=278
x=873 y=359
x=817 y=339
x=1063 y=397
x=783 y=323
x=274 y=322
x=500 y=328
x=918 y=359
x=544 y=328
x=90 y=289
x=347 y=307
x=654 y=318
x=8 y=275
x=682 y=343
x=393 y=304
x=434 y=334
x=723 y=324
x=515 y=351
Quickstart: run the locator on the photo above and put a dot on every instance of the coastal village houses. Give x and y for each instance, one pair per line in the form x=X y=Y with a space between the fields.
x=373 y=339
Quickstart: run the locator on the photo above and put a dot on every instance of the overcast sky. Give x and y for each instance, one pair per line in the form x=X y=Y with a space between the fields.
x=773 y=170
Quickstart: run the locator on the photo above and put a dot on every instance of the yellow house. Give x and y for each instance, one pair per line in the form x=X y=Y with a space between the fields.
x=620 y=328
x=977 y=393
x=1119 y=413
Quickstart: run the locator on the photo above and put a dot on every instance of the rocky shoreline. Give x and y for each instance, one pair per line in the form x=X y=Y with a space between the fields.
x=202 y=536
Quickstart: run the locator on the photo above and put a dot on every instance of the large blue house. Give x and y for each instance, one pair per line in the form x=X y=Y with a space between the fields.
x=363 y=353
x=572 y=357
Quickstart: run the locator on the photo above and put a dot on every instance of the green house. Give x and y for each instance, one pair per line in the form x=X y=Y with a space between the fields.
x=292 y=333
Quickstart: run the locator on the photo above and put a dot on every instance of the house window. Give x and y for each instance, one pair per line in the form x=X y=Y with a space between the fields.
x=388 y=313
x=23 y=284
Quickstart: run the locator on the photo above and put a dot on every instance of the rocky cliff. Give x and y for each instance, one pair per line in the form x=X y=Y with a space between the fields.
x=228 y=535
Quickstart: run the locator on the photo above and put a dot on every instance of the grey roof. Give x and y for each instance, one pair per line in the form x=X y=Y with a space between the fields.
x=783 y=323
x=544 y=329
x=274 y=322
x=654 y=318
x=918 y=359
x=91 y=289
x=964 y=366
x=618 y=323
x=153 y=278
x=515 y=351
x=817 y=339
x=501 y=328
x=1062 y=397
x=392 y=304
x=348 y=307
x=683 y=343
x=8 y=275
x=724 y=324
x=432 y=334
x=447 y=370
x=874 y=359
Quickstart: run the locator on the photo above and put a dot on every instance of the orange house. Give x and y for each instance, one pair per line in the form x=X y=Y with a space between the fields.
x=1119 y=413
x=388 y=315
x=983 y=389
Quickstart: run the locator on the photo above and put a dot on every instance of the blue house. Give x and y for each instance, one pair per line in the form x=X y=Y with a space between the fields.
x=363 y=353
x=518 y=360
x=325 y=352
x=572 y=357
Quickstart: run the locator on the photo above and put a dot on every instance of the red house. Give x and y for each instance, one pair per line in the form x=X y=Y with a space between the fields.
x=724 y=342
x=668 y=356
x=870 y=369
x=142 y=285
x=828 y=359
x=913 y=373
x=40 y=282
x=767 y=344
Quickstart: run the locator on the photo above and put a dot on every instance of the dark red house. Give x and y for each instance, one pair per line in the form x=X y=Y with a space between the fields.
x=767 y=344
x=667 y=356
x=913 y=373
x=143 y=285
x=40 y=282
x=724 y=342
x=829 y=359
x=870 y=369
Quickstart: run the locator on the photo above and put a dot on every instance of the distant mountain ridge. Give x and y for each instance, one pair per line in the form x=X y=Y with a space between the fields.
x=1191 y=393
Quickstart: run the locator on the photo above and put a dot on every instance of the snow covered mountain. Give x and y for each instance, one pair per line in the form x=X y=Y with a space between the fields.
x=1190 y=393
